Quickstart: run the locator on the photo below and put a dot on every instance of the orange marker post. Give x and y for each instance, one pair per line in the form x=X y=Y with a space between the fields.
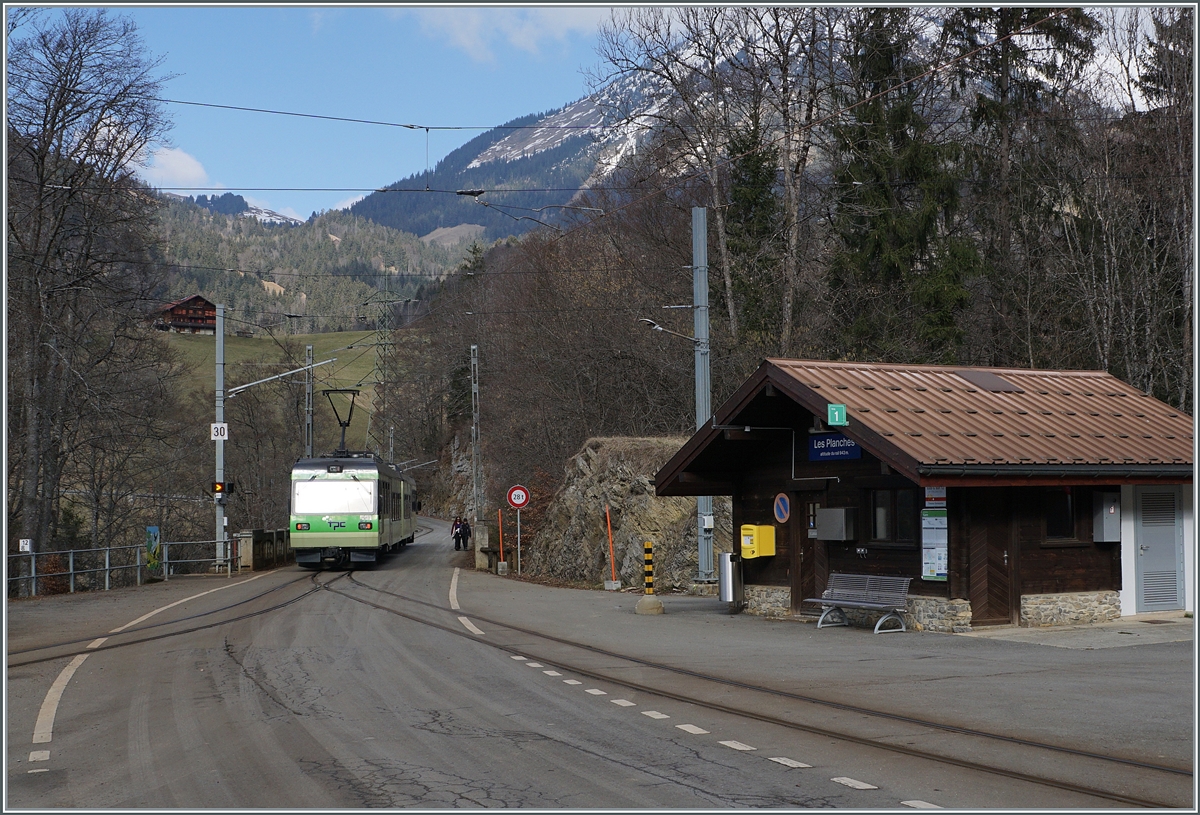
x=611 y=561
x=500 y=519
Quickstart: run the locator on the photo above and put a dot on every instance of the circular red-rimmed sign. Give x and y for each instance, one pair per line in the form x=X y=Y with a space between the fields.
x=518 y=496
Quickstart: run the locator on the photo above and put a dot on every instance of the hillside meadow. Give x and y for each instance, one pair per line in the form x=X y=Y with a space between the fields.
x=248 y=359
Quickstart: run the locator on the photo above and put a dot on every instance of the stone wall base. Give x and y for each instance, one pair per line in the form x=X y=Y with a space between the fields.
x=954 y=616
x=1074 y=608
x=939 y=614
x=769 y=601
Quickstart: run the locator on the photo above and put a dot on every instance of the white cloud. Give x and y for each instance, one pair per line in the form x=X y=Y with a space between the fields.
x=347 y=203
x=172 y=167
x=477 y=30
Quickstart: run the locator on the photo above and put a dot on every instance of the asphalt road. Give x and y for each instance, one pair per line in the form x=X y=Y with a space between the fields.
x=331 y=703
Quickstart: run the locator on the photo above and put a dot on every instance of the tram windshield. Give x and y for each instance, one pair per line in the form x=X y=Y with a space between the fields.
x=333 y=497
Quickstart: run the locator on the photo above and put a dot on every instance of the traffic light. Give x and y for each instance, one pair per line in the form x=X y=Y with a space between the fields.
x=218 y=489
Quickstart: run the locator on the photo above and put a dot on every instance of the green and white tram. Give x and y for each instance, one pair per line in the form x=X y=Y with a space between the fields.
x=349 y=509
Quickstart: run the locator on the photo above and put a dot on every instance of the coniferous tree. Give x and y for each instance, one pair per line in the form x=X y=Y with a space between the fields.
x=899 y=265
x=1014 y=62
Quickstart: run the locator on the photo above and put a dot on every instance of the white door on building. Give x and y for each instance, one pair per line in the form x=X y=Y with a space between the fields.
x=1158 y=524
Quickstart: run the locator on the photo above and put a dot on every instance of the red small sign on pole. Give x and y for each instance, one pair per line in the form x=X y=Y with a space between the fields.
x=518 y=496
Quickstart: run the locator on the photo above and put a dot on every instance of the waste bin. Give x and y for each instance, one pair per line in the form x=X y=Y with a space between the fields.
x=729 y=579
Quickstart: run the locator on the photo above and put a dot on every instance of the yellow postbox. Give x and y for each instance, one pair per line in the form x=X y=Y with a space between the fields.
x=757 y=541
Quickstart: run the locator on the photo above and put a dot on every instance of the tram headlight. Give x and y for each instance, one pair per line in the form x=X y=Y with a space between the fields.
x=364 y=524
x=301 y=526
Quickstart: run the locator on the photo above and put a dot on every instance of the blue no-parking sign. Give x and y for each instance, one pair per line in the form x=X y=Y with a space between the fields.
x=782 y=507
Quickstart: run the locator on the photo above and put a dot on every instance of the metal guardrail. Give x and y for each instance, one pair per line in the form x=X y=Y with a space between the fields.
x=143 y=563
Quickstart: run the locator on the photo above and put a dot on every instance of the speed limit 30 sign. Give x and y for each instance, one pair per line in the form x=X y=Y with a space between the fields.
x=518 y=497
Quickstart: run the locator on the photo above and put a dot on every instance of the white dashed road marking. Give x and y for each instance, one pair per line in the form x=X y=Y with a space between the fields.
x=523 y=659
x=551 y=673
x=597 y=692
x=97 y=643
x=920 y=805
x=654 y=714
x=42 y=770
x=572 y=682
x=470 y=626
x=858 y=785
x=691 y=728
x=737 y=745
x=622 y=702
x=535 y=665
x=790 y=762
x=39 y=755
x=454 y=590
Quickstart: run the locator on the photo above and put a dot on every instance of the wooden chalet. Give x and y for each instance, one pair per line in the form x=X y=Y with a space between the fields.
x=191 y=315
x=1009 y=496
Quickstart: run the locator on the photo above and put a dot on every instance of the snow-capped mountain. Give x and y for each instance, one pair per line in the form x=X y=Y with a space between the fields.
x=268 y=216
x=529 y=169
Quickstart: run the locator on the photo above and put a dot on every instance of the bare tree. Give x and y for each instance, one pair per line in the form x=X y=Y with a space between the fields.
x=81 y=115
x=787 y=58
x=675 y=70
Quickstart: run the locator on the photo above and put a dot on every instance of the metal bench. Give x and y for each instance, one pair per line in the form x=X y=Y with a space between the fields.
x=874 y=592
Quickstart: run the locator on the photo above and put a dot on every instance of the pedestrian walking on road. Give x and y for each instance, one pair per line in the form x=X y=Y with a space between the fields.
x=465 y=533
x=456 y=532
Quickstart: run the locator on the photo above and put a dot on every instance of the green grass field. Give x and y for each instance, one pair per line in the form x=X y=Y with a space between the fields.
x=248 y=359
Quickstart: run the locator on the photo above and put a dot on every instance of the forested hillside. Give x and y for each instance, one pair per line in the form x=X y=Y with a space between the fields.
x=324 y=270
x=549 y=178
x=967 y=186
x=993 y=187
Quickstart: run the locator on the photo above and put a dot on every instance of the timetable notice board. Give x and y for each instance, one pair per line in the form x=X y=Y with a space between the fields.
x=935 y=536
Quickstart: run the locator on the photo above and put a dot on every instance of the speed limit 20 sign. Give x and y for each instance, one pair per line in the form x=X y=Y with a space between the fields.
x=518 y=497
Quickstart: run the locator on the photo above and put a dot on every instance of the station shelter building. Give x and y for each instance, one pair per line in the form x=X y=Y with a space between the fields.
x=1010 y=496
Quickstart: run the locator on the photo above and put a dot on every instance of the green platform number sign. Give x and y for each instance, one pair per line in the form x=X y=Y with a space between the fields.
x=837 y=416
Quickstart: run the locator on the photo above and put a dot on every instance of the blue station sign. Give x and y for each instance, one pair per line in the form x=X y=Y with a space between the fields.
x=832 y=447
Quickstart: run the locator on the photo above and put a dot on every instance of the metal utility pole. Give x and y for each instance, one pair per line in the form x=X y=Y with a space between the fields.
x=219 y=499
x=308 y=402
x=476 y=496
x=383 y=364
x=704 y=532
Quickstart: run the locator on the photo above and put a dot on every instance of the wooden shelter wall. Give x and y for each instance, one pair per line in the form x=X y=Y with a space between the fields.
x=1055 y=566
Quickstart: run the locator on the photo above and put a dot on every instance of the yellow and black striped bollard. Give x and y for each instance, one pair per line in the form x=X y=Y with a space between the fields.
x=649 y=604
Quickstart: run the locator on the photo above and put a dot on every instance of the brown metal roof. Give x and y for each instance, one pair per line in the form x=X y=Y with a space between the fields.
x=954 y=425
x=941 y=415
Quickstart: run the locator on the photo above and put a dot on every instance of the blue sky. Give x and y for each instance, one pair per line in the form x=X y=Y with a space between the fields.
x=431 y=66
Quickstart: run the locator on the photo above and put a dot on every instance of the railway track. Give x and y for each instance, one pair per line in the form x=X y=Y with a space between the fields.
x=70 y=648
x=164 y=628
x=1127 y=780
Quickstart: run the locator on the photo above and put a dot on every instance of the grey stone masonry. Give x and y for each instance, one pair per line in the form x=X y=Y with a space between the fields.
x=938 y=614
x=954 y=616
x=1069 y=609
x=769 y=601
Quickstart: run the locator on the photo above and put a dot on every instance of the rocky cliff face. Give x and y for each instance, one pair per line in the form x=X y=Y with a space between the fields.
x=571 y=544
x=449 y=492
